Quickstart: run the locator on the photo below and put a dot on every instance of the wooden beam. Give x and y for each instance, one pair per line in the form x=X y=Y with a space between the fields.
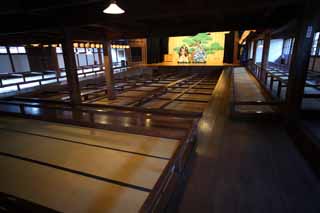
x=300 y=61
x=11 y=60
x=71 y=68
x=254 y=51
x=35 y=57
x=265 y=54
x=108 y=69
x=236 y=48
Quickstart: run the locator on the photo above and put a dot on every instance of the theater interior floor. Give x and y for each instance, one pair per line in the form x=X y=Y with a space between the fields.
x=238 y=166
x=247 y=166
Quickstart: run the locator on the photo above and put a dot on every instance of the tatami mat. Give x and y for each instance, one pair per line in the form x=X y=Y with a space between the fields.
x=65 y=191
x=155 y=146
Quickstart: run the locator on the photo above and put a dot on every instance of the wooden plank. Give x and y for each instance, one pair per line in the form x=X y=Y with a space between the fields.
x=64 y=191
x=128 y=168
x=147 y=145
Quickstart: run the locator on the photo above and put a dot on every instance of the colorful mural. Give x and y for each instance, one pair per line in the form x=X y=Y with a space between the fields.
x=201 y=48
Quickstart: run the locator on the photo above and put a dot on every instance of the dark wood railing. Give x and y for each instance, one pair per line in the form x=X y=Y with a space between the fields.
x=19 y=81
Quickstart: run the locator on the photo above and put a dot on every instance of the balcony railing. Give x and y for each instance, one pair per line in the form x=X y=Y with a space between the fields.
x=14 y=82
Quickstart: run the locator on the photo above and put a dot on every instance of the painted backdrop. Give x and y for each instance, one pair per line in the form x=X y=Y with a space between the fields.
x=201 y=48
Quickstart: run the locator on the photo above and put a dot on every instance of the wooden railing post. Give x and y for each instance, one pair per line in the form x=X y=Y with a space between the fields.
x=265 y=54
x=300 y=61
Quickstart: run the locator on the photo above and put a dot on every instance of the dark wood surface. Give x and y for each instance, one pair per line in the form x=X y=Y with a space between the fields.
x=243 y=166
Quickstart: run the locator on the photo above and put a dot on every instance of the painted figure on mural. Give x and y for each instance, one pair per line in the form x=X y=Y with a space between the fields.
x=199 y=55
x=183 y=54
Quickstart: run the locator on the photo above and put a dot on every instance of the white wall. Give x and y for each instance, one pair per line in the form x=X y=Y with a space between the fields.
x=275 y=50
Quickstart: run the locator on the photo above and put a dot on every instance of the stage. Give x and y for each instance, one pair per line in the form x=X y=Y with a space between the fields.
x=192 y=67
x=176 y=64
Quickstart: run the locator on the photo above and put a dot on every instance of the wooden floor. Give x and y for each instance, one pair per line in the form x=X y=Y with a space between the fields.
x=189 y=92
x=240 y=166
x=77 y=169
x=247 y=167
x=246 y=89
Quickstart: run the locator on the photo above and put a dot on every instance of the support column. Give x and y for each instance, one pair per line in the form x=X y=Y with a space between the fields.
x=108 y=69
x=236 y=48
x=71 y=68
x=265 y=55
x=254 y=51
x=11 y=60
x=100 y=61
x=299 y=63
x=53 y=60
x=35 y=57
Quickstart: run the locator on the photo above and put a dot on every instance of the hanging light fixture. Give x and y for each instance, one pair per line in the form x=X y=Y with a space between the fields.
x=113 y=8
x=35 y=45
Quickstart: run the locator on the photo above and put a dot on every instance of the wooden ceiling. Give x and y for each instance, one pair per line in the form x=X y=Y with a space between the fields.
x=47 y=19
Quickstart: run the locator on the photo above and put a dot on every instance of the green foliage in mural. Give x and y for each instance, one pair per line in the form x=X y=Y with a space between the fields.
x=204 y=39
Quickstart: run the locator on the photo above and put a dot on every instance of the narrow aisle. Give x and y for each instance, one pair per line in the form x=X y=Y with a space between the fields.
x=244 y=166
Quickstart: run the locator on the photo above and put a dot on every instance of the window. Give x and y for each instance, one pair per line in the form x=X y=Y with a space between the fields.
x=17 y=50
x=287 y=46
x=81 y=50
x=3 y=50
x=58 y=50
x=121 y=54
x=259 y=51
x=251 y=50
x=21 y=50
x=315 y=44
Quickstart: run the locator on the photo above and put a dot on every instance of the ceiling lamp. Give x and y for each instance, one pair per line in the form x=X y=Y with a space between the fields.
x=35 y=45
x=113 y=8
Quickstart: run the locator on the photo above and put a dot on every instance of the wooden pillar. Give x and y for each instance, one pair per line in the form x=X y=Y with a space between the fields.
x=108 y=69
x=248 y=45
x=236 y=48
x=11 y=60
x=71 y=68
x=99 y=57
x=35 y=57
x=254 y=51
x=299 y=64
x=265 y=54
x=53 y=60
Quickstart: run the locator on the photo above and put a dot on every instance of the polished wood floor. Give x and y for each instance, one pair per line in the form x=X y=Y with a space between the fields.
x=239 y=166
x=77 y=169
x=247 y=167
